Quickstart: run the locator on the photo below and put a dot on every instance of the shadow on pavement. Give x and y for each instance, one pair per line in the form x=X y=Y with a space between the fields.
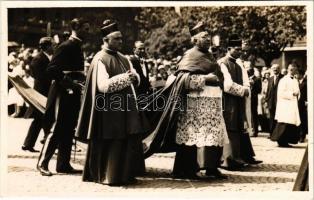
x=272 y=167
x=258 y=179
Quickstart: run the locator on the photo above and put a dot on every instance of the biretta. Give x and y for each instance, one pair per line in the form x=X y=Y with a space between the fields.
x=108 y=27
x=234 y=41
x=199 y=27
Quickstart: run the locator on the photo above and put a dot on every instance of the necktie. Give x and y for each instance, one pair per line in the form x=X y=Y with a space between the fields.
x=275 y=78
x=143 y=67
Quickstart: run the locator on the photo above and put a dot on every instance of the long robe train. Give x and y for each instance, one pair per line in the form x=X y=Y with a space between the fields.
x=30 y=95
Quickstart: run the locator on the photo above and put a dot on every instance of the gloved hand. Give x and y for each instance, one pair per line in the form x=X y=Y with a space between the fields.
x=68 y=83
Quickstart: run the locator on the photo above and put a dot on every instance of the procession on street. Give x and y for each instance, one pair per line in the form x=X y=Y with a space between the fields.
x=202 y=84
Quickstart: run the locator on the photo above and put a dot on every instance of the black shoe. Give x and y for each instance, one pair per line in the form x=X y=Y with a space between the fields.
x=232 y=168
x=132 y=181
x=31 y=149
x=285 y=145
x=69 y=170
x=235 y=167
x=302 y=140
x=215 y=173
x=44 y=171
x=254 y=135
x=115 y=184
x=252 y=161
x=239 y=163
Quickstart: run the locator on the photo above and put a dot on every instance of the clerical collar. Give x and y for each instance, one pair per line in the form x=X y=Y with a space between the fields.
x=202 y=50
x=110 y=51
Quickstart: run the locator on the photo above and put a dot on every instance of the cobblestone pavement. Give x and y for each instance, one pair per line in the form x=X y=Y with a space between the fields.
x=276 y=174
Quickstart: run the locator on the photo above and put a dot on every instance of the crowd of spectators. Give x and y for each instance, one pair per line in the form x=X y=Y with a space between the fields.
x=160 y=69
x=19 y=60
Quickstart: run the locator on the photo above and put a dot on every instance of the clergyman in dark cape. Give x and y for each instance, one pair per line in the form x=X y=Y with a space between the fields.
x=109 y=119
x=192 y=123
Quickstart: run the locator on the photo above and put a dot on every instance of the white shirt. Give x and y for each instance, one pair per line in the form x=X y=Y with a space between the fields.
x=48 y=56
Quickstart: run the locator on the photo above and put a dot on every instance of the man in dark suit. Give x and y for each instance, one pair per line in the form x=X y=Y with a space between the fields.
x=256 y=88
x=66 y=69
x=38 y=67
x=141 y=68
x=271 y=94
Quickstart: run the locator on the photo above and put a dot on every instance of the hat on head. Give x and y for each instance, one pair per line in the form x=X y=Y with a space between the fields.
x=199 y=27
x=108 y=27
x=234 y=41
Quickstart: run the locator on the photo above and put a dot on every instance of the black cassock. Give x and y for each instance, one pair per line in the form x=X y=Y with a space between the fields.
x=115 y=153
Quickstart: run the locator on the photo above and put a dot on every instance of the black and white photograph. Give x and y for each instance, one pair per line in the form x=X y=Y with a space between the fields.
x=157 y=99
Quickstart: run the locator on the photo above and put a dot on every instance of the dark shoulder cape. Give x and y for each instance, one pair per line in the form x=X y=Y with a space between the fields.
x=109 y=123
x=162 y=137
x=196 y=61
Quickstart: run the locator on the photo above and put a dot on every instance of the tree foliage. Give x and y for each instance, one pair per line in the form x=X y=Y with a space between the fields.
x=266 y=29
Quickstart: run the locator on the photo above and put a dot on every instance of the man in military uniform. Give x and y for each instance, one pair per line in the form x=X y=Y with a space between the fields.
x=63 y=104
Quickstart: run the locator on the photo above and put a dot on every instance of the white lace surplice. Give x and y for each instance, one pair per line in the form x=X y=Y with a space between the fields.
x=202 y=124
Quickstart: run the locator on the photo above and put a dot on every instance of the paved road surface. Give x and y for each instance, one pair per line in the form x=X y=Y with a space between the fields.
x=276 y=174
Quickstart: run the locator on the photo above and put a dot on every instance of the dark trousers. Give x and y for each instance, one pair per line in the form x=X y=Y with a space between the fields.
x=246 y=147
x=272 y=121
x=254 y=118
x=232 y=152
x=33 y=132
x=62 y=133
x=264 y=122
